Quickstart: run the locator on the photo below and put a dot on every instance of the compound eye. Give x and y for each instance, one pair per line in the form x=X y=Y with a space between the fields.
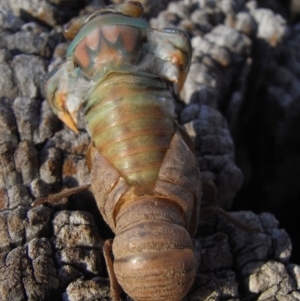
x=137 y=3
x=132 y=8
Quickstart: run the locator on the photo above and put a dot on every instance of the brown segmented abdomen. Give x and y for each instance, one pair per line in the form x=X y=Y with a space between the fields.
x=154 y=258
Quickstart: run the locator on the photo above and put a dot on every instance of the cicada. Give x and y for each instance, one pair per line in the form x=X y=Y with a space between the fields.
x=144 y=176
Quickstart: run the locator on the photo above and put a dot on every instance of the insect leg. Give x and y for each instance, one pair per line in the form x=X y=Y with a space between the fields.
x=172 y=48
x=64 y=89
x=56 y=197
x=115 y=288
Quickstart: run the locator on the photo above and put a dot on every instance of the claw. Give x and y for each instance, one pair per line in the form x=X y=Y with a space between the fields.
x=56 y=97
x=65 y=91
x=67 y=119
x=173 y=48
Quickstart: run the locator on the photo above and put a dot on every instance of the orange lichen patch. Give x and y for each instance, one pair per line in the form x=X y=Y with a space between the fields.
x=92 y=39
x=52 y=166
x=3 y=199
x=69 y=168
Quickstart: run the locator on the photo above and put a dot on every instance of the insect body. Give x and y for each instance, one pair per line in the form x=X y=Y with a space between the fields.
x=144 y=175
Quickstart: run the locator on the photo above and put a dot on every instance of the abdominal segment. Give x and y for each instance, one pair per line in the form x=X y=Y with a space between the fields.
x=132 y=127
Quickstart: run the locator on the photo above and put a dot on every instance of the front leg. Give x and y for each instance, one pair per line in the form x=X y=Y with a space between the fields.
x=57 y=197
x=173 y=50
x=65 y=89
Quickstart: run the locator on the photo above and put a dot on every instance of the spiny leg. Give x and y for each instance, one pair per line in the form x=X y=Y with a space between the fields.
x=115 y=288
x=56 y=197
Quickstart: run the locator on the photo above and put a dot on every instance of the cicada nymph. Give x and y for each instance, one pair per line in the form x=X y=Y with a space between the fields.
x=144 y=175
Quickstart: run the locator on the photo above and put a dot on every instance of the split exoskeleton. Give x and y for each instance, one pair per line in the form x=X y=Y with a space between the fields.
x=144 y=175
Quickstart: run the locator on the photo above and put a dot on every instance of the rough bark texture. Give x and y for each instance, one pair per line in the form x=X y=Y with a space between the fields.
x=243 y=84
